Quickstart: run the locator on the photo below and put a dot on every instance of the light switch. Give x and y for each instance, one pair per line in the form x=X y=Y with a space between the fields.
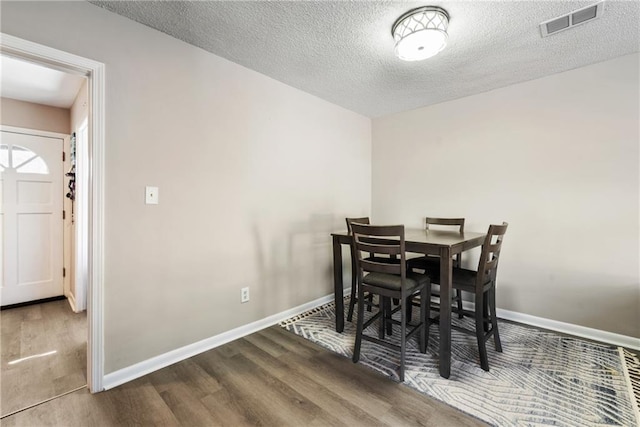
x=151 y=195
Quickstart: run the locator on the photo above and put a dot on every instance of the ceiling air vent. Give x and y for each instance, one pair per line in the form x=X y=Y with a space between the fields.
x=572 y=19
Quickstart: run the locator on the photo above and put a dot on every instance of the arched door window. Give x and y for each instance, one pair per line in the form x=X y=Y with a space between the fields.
x=22 y=160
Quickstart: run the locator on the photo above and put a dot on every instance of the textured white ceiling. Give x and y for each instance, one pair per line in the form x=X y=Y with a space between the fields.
x=343 y=51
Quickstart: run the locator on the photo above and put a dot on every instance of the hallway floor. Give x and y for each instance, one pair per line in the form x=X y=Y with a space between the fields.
x=43 y=353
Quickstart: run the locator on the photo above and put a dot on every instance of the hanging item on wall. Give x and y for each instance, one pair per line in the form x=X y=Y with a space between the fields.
x=72 y=148
x=72 y=170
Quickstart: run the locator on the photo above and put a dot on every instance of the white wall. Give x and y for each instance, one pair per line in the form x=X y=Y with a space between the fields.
x=79 y=113
x=253 y=176
x=558 y=159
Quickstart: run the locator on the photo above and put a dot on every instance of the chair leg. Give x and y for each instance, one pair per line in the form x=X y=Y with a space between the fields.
x=485 y=314
x=388 y=309
x=459 y=300
x=403 y=338
x=479 y=318
x=494 y=319
x=352 y=301
x=356 y=349
x=409 y=308
x=382 y=309
x=424 y=318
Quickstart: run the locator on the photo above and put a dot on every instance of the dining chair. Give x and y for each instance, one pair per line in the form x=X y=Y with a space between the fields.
x=388 y=280
x=431 y=263
x=354 y=298
x=482 y=283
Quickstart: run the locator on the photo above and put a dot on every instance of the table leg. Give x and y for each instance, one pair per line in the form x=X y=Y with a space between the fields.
x=337 y=283
x=445 y=311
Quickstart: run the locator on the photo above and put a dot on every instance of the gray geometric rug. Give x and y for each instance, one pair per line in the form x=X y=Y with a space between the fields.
x=541 y=378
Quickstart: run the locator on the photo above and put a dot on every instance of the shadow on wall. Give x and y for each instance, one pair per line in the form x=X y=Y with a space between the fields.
x=295 y=264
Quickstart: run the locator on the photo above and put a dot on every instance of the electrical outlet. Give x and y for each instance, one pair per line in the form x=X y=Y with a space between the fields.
x=244 y=295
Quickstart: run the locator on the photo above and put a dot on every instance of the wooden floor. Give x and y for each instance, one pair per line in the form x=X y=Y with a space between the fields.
x=43 y=353
x=269 y=378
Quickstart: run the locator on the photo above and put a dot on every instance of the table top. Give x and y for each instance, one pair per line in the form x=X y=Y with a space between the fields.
x=433 y=237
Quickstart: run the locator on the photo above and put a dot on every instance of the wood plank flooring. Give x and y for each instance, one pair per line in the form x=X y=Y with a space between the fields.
x=28 y=374
x=269 y=378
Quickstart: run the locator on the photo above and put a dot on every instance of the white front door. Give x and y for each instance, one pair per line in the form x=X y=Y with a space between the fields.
x=31 y=211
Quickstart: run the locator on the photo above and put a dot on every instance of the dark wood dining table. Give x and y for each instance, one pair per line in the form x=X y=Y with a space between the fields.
x=420 y=241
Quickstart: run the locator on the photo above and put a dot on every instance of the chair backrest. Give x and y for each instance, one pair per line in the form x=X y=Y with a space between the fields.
x=488 y=263
x=446 y=221
x=382 y=241
x=363 y=220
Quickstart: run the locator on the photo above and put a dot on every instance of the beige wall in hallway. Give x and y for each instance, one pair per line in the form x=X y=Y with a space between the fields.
x=34 y=116
x=253 y=175
x=558 y=158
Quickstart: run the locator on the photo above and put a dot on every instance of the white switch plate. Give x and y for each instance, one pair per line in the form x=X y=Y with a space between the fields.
x=244 y=295
x=151 y=195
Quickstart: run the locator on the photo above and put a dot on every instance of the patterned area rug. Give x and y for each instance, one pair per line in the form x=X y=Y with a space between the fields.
x=541 y=378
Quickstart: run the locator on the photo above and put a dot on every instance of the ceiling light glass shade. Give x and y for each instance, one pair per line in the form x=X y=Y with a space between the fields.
x=421 y=33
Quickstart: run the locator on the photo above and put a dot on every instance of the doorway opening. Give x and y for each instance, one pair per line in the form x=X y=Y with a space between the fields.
x=91 y=214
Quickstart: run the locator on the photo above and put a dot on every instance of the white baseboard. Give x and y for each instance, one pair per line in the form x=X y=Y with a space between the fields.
x=72 y=302
x=566 y=328
x=571 y=329
x=145 y=367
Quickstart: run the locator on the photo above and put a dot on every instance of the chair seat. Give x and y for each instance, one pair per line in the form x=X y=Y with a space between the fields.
x=393 y=282
x=430 y=265
x=465 y=280
x=423 y=261
x=383 y=260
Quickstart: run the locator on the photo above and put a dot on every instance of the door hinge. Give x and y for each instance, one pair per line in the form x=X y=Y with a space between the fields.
x=64 y=272
x=64 y=156
x=64 y=214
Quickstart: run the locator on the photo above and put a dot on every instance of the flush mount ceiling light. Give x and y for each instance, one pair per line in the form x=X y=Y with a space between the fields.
x=420 y=33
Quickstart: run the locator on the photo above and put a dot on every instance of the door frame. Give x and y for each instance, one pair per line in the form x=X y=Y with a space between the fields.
x=92 y=257
x=81 y=238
